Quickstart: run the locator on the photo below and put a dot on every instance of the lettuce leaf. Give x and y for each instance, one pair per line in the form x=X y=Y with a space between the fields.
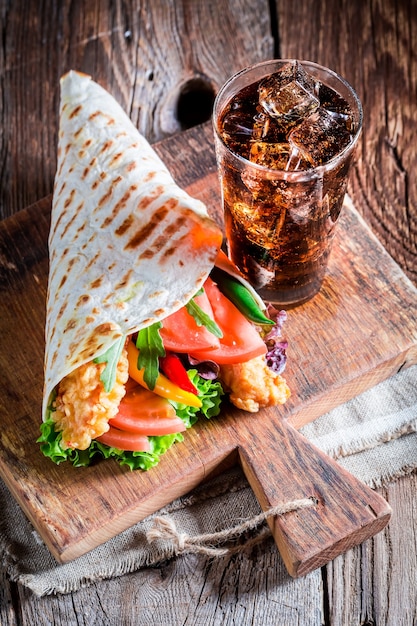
x=50 y=441
x=210 y=393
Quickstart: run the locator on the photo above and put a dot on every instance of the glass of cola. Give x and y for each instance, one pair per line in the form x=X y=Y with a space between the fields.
x=285 y=134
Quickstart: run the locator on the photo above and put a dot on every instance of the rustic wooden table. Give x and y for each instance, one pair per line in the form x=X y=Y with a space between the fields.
x=164 y=61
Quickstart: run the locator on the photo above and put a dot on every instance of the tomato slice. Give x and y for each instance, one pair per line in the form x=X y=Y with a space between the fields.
x=131 y=442
x=180 y=332
x=240 y=342
x=143 y=412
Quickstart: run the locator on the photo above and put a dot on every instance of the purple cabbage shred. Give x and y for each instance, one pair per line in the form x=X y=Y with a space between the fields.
x=276 y=357
x=209 y=370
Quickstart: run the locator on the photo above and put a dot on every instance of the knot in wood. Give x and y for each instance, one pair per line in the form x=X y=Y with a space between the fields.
x=195 y=102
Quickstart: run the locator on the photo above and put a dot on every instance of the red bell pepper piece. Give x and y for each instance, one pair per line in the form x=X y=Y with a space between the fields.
x=174 y=370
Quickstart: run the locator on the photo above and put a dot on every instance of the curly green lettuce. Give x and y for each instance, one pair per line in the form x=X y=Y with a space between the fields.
x=210 y=392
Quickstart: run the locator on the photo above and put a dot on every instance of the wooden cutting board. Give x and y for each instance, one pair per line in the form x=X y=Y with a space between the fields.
x=358 y=331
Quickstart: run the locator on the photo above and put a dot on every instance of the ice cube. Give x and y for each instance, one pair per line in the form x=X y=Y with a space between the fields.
x=320 y=137
x=237 y=125
x=262 y=189
x=332 y=101
x=265 y=227
x=271 y=155
x=290 y=93
x=242 y=212
x=261 y=126
x=266 y=128
x=277 y=156
x=258 y=223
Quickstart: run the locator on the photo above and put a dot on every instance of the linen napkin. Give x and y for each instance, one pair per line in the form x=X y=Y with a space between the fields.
x=373 y=436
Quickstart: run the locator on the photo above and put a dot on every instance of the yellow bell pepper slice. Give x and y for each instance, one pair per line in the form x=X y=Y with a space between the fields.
x=163 y=387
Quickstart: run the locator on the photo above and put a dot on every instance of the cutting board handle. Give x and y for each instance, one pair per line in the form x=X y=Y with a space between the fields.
x=283 y=466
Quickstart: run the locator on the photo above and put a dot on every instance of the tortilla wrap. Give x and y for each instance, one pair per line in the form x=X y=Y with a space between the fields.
x=127 y=246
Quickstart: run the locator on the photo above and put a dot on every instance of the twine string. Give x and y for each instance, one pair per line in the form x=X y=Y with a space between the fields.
x=164 y=528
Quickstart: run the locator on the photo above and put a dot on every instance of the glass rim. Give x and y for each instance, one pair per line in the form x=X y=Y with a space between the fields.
x=295 y=174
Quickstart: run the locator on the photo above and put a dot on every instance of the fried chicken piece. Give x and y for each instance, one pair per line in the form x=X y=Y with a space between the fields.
x=254 y=385
x=83 y=407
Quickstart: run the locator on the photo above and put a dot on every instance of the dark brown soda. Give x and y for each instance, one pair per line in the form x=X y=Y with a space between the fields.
x=279 y=230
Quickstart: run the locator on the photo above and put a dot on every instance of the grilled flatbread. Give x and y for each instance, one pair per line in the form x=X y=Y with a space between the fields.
x=127 y=246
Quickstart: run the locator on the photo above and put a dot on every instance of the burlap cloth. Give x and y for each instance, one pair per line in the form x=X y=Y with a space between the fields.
x=373 y=436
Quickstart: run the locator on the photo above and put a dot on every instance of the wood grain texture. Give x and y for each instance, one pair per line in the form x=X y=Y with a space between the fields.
x=8 y=615
x=322 y=374
x=371 y=584
x=373 y=45
x=346 y=512
x=250 y=588
x=146 y=53
x=380 y=591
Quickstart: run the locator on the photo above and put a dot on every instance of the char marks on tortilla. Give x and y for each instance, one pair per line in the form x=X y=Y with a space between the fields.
x=127 y=245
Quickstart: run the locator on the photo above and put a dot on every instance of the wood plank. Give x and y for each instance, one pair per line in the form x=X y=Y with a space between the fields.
x=327 y=27
x=320 y=377
x=375 y=583
x=146 y=53
x=249 y=589
x=366 y=585
x=372 y=45
x=8 y=616
x=346 y=512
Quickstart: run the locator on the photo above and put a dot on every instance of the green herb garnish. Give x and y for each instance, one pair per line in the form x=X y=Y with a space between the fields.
x=110 y=358
x=150 y=346
x=201 y=318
